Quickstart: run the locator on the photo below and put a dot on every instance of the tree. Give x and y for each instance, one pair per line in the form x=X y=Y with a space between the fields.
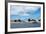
x=15 y=20
x=19 y=20
x=39 y=20
x=29 y=20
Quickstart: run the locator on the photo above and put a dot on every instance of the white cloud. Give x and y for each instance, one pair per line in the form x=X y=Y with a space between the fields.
x=32 y=8
x=24 y=14
x=21 y=10
x=16 y=9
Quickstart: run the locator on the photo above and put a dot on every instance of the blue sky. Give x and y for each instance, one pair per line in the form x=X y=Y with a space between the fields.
x=24 y=12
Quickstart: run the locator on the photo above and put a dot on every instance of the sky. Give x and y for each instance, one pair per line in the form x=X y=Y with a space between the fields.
x=24 y=12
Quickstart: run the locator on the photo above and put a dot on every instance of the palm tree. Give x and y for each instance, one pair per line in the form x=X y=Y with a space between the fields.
x=19 y=20
x=15 y=20
x=29 y=20
x=39 y=20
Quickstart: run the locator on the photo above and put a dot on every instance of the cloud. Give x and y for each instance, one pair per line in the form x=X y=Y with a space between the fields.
x=16 y=9
x=24 y=12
